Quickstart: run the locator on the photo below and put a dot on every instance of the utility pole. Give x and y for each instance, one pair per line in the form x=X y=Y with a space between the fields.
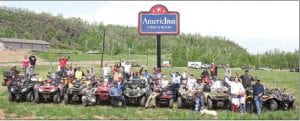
x=103 y=40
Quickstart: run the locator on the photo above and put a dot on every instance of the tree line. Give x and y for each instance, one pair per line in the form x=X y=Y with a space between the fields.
x=77 y=34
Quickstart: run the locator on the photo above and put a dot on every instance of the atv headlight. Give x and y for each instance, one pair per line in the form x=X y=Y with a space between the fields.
x=12 y=89
x=52 y=90
x=24 y=90
x=40 y=89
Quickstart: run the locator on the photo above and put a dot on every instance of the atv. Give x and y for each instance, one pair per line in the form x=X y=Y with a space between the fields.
x=51 y=89
x=102 y=91
x=186 y=97
x=74 y=92
x=218 y=95
x=22 y=90
x=165 y=97
x=275 y=99
x=137 y=91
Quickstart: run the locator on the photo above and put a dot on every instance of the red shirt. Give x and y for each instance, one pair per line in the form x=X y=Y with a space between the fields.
x=25 y=62
x=63 y=62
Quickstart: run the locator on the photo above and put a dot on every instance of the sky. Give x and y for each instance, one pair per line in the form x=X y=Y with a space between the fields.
x=257 y=26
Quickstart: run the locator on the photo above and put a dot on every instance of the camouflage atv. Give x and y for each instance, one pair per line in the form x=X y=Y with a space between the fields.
x=218 y=96
x=275 y=99
x=186 y=97
x=137 y=91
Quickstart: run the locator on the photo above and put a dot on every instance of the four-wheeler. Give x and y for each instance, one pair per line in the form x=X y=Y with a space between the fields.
x=137 y=91
x=218 y=96
x=165 y=97
x=22 y=90
x=102 y=91
x=51 y=89
x=275 y=99
x=74 y=92
x=186 y=97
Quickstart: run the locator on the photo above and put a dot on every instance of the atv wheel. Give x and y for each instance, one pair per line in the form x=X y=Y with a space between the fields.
x=29 y=97
x=209 y=104
x=249 y=107
x=66 y=99
x=179 y=102
x=84 y=101
x=56 y=98
x=273 y=105
x=10 y=96
x=36 y=97
x=143 y=101
x=171 y=103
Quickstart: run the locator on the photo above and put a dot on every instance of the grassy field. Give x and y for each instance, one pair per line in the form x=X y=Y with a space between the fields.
x=28 y=110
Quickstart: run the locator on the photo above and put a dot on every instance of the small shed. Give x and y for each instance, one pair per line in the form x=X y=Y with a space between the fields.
x=23 y=44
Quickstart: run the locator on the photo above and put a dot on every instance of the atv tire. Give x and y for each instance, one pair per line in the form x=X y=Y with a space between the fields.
x=143 y=101
x=36 y=97
x=10 y=96
x=209 y=104
x=30 y=97
x=56 y=98
x=179 y=102
x=66 y=99
x=249 y=107
x=171 y=103
x=273 y=105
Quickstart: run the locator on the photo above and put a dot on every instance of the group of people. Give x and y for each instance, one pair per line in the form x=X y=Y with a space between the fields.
x=28 y=65
x=121 y=72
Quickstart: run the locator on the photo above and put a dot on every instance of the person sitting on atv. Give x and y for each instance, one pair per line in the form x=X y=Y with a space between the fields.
x=147 y=75
x=118 y=76
x=91 y=73
x=204 y=73
x=158 y=74
x=79 y=74
x=127 y=70
x=190 y=82
x=15 y=70
x=235 y=91
x=151 y=101
x=116 y=94
x=71 y=71
x=198 y=92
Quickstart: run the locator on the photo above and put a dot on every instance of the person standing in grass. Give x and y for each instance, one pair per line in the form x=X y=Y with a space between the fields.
x=258 y=92
x=213 y=71
x=235 y=89
x=198 y=92
x=175 y=84
x=25 y=64
x=32 y=60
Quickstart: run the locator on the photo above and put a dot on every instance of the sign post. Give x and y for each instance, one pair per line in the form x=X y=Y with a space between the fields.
x=158 y=21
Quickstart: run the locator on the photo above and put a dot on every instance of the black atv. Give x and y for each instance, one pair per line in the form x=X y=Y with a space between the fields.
x=22 y=90
x=74 y=92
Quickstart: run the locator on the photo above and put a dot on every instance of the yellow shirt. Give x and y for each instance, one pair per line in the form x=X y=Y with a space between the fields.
x=78 y=74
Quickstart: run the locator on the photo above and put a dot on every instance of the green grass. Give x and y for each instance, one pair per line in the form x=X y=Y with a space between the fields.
x=25 y=110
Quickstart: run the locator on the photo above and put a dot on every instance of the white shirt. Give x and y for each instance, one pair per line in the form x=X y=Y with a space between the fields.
x=164 y=83
x=127 y=68
x=236 y=87
x=184 y=75
x=175 y=80
x=190 y=83
x=106 y=71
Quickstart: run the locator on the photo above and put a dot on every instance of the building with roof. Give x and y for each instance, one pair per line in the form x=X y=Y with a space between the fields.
x=23 y=44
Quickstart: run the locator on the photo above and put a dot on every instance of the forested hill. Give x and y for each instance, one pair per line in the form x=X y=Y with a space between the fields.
x=76 y=34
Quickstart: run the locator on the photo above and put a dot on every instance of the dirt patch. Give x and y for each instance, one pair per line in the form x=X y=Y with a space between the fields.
x=2 y=115
x=97 y=117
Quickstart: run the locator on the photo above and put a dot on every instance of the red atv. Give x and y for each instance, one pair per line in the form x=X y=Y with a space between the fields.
x=50 y=90
x=102 y=92
x=165 y=97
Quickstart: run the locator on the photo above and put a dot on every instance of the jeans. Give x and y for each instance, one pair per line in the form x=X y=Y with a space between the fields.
x=31 y=70
x=116 y=99
x=25 y=74
x=199 y=103
x=63 y=72
x=242 y=108
x=258 y=104
x=175 y=88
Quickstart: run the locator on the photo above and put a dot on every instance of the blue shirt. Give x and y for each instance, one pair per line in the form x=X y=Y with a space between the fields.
x=116 y=91
x=257 y=89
